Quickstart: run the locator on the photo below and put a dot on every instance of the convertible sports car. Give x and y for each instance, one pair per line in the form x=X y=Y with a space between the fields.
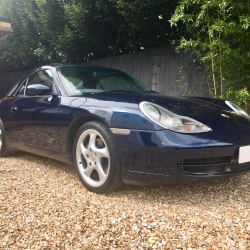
x=116 y=130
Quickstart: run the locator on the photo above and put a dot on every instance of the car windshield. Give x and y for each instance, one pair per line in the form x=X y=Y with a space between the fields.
x=78 y=80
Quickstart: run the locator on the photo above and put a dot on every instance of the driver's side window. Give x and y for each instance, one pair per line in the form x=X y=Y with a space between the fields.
x=40 y=77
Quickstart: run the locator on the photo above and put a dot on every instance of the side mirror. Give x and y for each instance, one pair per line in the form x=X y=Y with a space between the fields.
x=39 y=89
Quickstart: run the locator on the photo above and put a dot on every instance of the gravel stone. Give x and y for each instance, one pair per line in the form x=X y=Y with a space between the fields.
x=44 y=206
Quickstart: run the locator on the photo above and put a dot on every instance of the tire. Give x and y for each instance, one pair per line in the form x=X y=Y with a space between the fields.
x=96 y=158
x=3 y=149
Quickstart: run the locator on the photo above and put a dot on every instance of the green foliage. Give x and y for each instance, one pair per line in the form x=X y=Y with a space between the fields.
x=219 y=38
x=3 y=7
x=47 y=31
x=36 y=25
x=145 y=23
x=91 y=29
x=183 y=82
x=242 y=97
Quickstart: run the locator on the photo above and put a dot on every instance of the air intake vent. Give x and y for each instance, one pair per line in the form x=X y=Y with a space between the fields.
x=211 y=166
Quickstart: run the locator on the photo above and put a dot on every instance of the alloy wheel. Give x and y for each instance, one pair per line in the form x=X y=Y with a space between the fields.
x=93 y=158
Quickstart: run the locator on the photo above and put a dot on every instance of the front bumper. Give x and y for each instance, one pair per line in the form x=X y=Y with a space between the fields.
x=162 y=157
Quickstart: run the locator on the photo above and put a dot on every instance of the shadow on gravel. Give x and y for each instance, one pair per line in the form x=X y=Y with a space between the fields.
x=202 y=193
x=217 y=192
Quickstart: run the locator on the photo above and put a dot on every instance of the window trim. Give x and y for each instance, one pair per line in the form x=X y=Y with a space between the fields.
x=26 y=81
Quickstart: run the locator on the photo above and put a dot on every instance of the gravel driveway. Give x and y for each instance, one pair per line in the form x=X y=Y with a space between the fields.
x=44 y=206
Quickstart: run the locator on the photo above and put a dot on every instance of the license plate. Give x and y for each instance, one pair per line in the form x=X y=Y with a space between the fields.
x=244 y=154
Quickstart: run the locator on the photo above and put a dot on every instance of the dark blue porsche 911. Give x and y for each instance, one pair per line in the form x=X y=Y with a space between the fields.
x=116 y=130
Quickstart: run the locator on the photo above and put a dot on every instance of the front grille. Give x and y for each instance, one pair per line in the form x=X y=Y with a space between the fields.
x=211 y=166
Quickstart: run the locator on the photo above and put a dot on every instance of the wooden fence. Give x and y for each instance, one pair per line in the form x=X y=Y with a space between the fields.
x=161 y=69
x=8 y=80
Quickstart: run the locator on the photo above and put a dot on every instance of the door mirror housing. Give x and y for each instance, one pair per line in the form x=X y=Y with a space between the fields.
x=39 y=89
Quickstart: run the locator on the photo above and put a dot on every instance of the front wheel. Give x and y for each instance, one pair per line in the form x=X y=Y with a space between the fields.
x=96 y=158
x=3 y=149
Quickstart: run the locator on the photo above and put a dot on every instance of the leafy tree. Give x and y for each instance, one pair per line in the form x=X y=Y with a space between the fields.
x=36 y=25
x=47 y=17
x=219 y=38
x=110 y=27
x=145 y=23
x=3 y=14
x=91 y=29
x=16 y=49
x=75 y=31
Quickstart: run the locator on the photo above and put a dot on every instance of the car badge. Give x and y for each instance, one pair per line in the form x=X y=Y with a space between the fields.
x=226 y=116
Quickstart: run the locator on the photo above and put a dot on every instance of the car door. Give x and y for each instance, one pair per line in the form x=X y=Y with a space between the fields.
x=35 y=117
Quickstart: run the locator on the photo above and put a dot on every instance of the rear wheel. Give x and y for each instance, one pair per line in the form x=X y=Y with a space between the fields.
x=96 y=158
x=3 y=149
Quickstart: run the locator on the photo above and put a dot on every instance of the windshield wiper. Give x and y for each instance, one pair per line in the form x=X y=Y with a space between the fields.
x=151 y=91
x=118 y=90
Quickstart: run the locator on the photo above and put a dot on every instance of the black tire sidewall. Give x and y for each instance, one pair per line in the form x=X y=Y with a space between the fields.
x=3 y=151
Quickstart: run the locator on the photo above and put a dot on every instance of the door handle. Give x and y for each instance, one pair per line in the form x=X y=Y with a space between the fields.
x=14 y=109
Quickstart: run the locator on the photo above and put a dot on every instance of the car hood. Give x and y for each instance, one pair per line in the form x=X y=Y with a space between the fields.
x=184 y=106
x=210 y=112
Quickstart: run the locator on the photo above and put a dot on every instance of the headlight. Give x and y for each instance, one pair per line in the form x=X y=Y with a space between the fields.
x=172 y=121
x=237 y=109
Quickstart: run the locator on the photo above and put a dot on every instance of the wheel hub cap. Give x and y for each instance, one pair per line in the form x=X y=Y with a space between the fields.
x=92 y=157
